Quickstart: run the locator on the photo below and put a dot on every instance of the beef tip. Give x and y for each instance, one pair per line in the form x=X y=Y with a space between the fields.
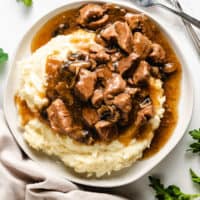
x=53 y=66
x=104 y=73
x=59 y=116
x=61 y=121
x=97 y=97
x=115 y=85
x=119 y=32
x=141 y=45
x=95 y=48
x=142 y=73
x=169 y=68
x=126 y=63
x=140 y=22
x=84 y=88
x=116 y=56
x=157 y=54
x=132 y=91
x=144 y=114
x=90 y=116
x=65 y=93
x=106 y=130
x=101 y=56
x=125 y=36
x=123 y=102
x=109 y=33
x=100 y=40
x=92 y=16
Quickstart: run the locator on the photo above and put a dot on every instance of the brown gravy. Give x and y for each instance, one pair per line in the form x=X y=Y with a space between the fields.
x=171 y=85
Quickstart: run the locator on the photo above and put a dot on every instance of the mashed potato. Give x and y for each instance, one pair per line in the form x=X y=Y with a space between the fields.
x=98 y=159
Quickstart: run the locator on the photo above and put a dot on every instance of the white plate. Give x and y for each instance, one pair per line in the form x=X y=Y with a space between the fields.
x=125 y=176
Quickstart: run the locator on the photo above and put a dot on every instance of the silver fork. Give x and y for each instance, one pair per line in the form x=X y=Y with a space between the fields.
x=149 y=3
x=191 y=32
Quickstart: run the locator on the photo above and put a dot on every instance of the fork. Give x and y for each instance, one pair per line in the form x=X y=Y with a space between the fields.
x=149 y=3
x=188 y=26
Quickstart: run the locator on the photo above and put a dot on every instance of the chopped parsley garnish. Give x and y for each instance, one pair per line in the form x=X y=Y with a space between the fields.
x=195 y=177
x=26 y=2
x=3 y=56
x=195 y=147
x=172 y=192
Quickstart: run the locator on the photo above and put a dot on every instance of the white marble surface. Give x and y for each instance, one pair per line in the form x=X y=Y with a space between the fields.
x=15 y=20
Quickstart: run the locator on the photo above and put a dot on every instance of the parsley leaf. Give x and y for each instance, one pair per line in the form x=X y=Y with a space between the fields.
x=3 y=56
x=27 y=2
x=195 y=177
x=195 y=147
x=172 y=192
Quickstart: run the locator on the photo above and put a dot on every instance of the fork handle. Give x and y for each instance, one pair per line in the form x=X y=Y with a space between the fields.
x=185 y=16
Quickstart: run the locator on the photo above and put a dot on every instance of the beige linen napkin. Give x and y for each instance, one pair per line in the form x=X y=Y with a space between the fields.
x=22 y=179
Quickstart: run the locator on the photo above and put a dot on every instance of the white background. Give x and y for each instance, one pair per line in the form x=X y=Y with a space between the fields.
x=15 y=20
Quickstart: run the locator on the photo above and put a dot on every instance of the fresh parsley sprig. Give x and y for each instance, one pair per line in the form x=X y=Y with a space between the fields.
x=195 y=147
x=172 y=192
x=26 y=2
x=195 y=177
x=3 y=56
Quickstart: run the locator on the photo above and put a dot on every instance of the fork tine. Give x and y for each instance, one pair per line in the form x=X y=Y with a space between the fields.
x=191 y=32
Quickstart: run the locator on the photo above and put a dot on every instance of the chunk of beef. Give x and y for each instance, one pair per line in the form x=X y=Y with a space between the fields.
x=92 y=16
x=106 y=130
x=61 y=121
x=132 y=91
x=109 y=33
x=104 y=73
x=126 y=63
x=97 y=97
x=119 y=32
x=62 y=89
x=95 y=48
x=60 y=117
x=143 y=115
x=116 y=56
x=115 y=85
x=157 y=54
x=101 y=56
x=141 y=45
x=140 y=22
x=123 y=102
x=53 y=66
x=100 y=40
x=84 y=88
x=90 y=116
x=124 y=37
x=142 y=73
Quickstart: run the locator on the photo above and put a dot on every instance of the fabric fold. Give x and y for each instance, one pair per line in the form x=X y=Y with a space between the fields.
x=22 y=179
